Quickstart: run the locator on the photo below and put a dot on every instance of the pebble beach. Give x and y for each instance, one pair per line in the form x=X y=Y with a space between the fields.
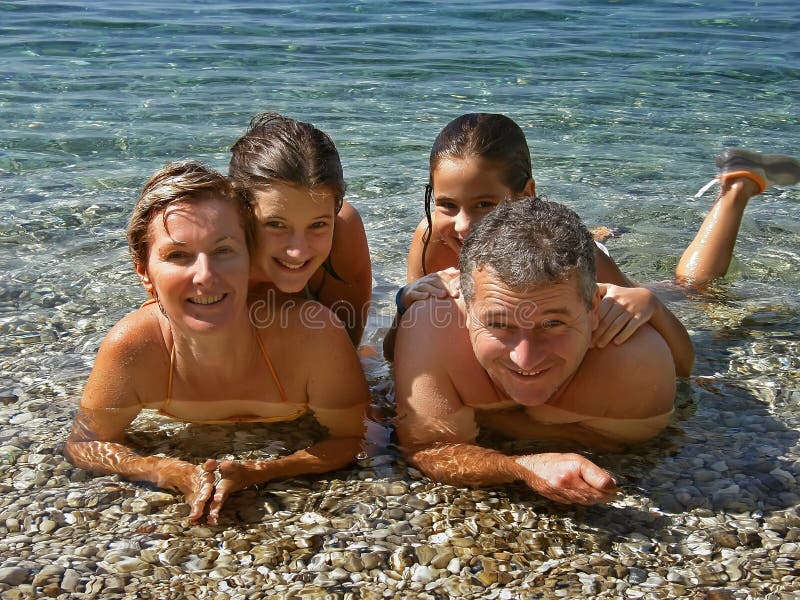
x=710 y=509
x=625 y=105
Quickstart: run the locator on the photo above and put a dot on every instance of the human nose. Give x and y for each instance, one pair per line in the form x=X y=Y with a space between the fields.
x=297 y=246
x=203 y=271
x=528 y=351
x=463 y=223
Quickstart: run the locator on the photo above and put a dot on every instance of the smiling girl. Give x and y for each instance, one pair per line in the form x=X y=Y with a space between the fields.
x=478 y=161
x=310 y=241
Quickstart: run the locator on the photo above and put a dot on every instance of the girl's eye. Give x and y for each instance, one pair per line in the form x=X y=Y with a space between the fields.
x=223 y=250
x=444 y=205
x=319 y=224
x=273 y=224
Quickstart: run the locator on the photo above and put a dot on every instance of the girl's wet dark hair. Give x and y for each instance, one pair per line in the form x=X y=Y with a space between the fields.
x=492 y=137
x=276 y=148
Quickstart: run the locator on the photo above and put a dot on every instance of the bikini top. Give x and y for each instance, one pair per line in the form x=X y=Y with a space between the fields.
x=235 y=419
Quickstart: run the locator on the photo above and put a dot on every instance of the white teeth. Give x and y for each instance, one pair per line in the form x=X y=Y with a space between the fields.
x=206 y=299
x=528 y=373
x=291 y=266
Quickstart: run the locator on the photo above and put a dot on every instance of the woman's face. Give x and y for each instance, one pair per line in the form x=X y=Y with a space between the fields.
x=198 y=265
x=464 y=191
x=295 y=233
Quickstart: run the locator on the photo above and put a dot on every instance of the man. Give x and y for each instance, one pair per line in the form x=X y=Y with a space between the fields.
x=513 y=354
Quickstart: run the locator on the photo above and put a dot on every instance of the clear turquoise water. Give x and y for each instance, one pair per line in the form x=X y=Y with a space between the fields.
x=625 y=107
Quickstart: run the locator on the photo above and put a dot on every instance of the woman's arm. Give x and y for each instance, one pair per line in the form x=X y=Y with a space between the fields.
x=109 y=405
x=338 y=396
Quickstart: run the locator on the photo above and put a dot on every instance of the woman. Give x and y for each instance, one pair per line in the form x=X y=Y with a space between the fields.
x=311 y=242
x=478 y=161
x=193 y=353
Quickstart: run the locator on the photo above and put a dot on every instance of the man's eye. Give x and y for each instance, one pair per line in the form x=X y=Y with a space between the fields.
x=552 y=324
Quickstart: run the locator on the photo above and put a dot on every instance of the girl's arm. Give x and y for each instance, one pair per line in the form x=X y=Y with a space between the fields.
x=349 y=297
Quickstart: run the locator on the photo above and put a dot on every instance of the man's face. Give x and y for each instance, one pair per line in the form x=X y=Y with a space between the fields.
x=529 y=342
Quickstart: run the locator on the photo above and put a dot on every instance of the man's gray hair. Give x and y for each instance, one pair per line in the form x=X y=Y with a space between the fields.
x=528 y=243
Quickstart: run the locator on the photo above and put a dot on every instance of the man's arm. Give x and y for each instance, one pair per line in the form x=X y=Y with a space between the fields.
x=437 y=431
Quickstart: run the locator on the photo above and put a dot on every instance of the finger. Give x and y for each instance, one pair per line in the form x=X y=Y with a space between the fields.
x=606 y=304
x=629 y=329
x=221 y=494
x=204 y=487
x=454 y=287
x=613 y=328
x=599 y=479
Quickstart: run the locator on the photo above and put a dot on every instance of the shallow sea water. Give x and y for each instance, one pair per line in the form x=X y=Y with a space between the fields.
x=625 y=107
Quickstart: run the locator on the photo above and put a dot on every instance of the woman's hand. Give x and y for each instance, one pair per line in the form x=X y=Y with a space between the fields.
x=440 y=284
x=622 y=311
x=195 y=482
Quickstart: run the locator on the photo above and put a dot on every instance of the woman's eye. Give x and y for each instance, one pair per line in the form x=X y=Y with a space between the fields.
x=319 y=225
x=177 y=255
x=486 y=205
x=223 y=250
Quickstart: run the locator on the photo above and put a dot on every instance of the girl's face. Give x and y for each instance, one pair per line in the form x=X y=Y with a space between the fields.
x=198 y=265
x=295 y=233
x=464 y=191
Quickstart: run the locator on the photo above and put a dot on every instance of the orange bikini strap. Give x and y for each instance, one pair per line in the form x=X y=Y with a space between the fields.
x=271 y=368
x=171 y=375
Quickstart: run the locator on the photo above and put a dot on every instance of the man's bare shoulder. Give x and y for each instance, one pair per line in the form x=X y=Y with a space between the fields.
x=635 y=379
x=434 y=319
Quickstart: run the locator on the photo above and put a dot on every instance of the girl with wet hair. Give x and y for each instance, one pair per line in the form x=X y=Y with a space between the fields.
x=310 y=241
x=478 y=161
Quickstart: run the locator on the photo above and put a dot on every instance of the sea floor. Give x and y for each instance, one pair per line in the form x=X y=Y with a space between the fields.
x=710 y=509
x=699 y=513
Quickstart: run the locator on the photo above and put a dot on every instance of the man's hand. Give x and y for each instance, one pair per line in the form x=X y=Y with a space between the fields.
x=622 y=311
x=567 y=478
x=440 y=284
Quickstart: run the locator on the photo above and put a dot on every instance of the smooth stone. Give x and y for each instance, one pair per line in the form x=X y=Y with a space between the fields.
x=71 y=580
x=130 y=564
x=14 y=575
